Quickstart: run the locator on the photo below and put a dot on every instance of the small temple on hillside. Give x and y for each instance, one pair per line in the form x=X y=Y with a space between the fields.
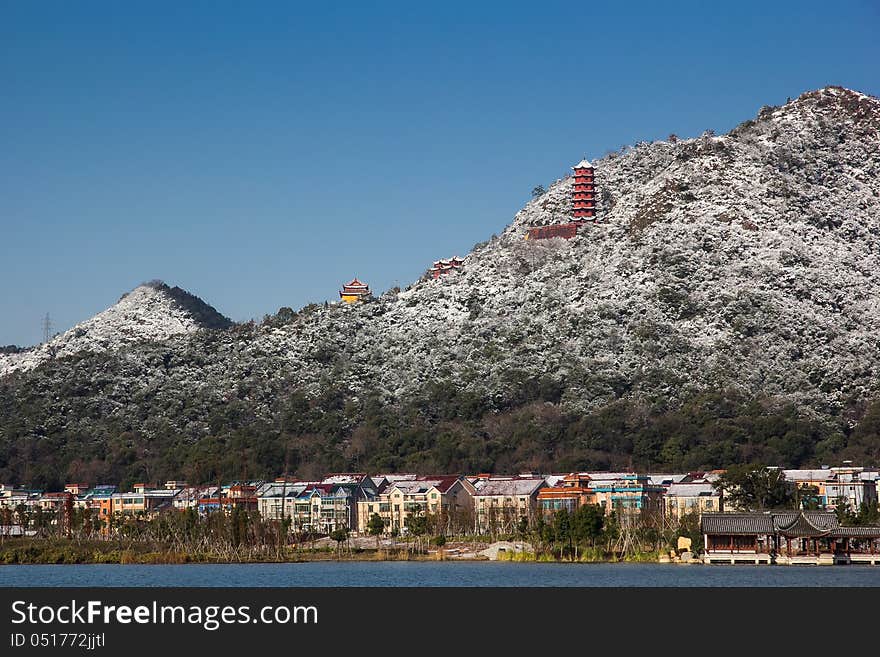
x=354 y=291
x=443 y=267
x=583 y=203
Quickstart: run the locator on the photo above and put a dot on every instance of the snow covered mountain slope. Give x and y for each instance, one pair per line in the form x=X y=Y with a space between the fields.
x=748 y=261
x=151 y=312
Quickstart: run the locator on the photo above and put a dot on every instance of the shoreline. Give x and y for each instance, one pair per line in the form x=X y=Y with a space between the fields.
x=62 y=552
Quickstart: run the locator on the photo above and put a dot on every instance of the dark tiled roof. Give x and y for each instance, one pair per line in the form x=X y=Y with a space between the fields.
x=737 y=523
x=806 y=523
x=793 y=523
x=855 y=532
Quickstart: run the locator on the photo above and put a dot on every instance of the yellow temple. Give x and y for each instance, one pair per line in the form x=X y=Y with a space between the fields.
x=354 y=290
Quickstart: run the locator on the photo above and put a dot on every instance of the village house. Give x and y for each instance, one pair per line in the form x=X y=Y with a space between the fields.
x=446 y=498
x=851 y=488
x=826 y=487
x=143 y=502
x=12 y=497
x=323 y=508
x=317 y=506
x=188 y=497
x=566 y=493
x=626 y=492
x=358 y=487
x=76 y=489
x=91 y=498
x=236 y=496
x=277 y=500
x=501 y=504
x=691 y=497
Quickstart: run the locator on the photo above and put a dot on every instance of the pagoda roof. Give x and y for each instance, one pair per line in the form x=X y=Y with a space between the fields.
x=807 y=523
x=583 y=164
x=354 y=282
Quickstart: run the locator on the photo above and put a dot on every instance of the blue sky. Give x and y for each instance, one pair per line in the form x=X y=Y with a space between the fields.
x=259 y=154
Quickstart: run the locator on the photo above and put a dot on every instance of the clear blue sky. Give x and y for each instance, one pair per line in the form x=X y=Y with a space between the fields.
x=259 y=154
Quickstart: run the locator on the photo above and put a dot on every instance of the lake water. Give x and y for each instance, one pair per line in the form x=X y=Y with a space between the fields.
x=322 y=574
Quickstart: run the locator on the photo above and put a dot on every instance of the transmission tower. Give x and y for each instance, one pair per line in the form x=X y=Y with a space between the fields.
x=47 y=327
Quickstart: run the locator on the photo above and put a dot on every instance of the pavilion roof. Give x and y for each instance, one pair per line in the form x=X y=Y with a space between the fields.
x=787 y=523
x=855 y=532
x=806 y=523
x=354 y=282
x=736 y=523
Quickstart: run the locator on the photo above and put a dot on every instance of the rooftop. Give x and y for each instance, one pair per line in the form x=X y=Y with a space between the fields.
x=423 y=484
x=691 y=489
x=795 y=523
x=509 y=487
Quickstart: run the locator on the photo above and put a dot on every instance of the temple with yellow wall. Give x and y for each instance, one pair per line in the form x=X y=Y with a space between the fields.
x=354 y=291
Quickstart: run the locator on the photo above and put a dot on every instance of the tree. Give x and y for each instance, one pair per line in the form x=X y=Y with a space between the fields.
x=375 y=527
x=562 y=528
x=869 y=514
x=538 y=190
x=755 y=488
x=339 y=535
x=417 y=525
x=845 y=515
x=588 y=523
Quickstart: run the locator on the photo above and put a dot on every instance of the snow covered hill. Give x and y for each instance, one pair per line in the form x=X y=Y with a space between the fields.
x=748 y=261
x=152 y=312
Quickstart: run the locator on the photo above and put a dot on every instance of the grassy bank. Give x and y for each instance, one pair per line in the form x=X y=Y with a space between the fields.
x=586 y=556
x=62 y=551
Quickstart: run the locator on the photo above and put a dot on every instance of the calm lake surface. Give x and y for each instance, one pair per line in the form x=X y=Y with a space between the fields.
x=437 y=574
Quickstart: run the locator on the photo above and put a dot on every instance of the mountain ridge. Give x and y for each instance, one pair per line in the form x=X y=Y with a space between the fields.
x=741 y=269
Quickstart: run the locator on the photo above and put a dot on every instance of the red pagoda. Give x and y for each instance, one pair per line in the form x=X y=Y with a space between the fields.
x=583 y=203
x=583 y=192
x=354 y=290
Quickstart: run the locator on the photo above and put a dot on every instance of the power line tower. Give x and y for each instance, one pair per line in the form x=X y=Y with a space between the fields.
x=47 y=327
